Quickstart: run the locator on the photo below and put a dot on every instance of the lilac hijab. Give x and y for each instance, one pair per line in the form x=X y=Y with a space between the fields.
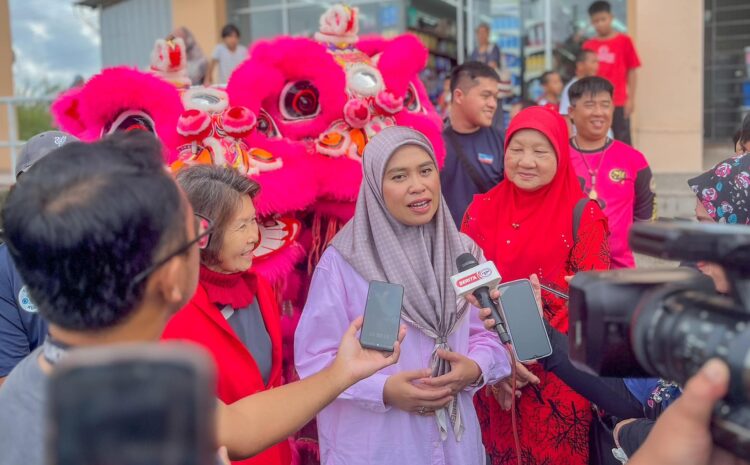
x=421 y=258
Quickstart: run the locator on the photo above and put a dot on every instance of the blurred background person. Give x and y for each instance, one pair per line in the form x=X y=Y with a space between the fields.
x=227 y=55
x=486 y=52
x=552 y=85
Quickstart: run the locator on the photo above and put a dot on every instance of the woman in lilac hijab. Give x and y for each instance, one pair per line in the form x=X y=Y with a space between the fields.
x=419 y=411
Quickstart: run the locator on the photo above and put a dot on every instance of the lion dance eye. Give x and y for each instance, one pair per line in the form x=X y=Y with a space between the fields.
x=266 y=126
x=411 y=99
x=299 y=100
x=130 y=120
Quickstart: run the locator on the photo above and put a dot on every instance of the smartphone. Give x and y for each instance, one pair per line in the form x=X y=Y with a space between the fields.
x=382 y=316
x=133 y=405
x=524 y=323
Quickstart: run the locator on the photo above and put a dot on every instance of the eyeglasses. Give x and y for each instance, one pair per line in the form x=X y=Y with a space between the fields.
x=204 y=228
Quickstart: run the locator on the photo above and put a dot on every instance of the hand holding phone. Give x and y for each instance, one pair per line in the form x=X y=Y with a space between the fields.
x=358 y=362
x=523 y=319
x=382 y=316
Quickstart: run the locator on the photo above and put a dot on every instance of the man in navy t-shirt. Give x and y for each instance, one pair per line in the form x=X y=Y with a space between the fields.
x=21 y=328
x=474 y=148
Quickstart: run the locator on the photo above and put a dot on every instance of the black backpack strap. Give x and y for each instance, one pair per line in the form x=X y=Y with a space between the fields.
x=578 y=214
x=480 y=181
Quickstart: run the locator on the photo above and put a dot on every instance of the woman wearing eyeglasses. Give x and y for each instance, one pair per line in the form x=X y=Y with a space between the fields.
x=233 y=313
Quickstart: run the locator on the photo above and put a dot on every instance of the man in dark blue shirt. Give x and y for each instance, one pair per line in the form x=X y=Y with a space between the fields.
x=474 y=148
x=21 y=328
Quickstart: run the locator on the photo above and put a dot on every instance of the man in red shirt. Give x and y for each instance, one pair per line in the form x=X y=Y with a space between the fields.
x=618 y=61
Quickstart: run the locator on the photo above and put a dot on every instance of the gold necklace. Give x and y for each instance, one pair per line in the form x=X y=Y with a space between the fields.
x=593 y=195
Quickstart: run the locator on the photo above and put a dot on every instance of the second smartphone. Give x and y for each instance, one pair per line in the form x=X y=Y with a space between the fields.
x=523 y=321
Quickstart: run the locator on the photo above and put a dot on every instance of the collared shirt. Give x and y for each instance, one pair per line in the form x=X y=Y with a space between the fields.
x=358 y=428
x=623 y=186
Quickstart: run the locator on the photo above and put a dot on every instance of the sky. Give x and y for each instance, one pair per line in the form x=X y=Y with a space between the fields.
x=53 y=41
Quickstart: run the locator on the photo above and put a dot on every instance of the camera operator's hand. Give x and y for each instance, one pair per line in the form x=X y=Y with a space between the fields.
x=485 y=313
x=355 y=363
x=681 y=435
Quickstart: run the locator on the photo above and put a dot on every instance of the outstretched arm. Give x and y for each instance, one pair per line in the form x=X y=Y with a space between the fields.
x=261 y=420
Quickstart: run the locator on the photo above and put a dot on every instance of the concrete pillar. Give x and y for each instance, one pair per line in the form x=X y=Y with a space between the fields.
x=6 y=80
x=668 y=123
x=204 y=18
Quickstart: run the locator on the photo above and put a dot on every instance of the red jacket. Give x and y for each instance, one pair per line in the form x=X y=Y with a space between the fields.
x=238 y=375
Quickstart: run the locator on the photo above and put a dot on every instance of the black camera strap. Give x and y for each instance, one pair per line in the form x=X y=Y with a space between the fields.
x=481 y=182
x=578 y=214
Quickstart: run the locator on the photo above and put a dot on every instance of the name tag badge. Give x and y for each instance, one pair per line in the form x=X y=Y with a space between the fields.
x=485 y=158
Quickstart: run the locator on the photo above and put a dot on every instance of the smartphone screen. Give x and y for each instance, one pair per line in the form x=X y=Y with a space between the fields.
x=132 y=408
x=523 y=321
x=382 y=316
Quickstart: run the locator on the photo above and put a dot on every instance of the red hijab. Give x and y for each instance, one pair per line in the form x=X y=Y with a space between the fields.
x=530 y=232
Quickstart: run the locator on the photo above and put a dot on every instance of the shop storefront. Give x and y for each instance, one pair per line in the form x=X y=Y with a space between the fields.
x=682 y=44
x=533 y=35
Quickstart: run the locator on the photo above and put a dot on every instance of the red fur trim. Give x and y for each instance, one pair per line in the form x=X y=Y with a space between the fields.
x=175 y=57
x=238 y=121
x=324 y=229
x=66 y=114
x=389 y=102
x=356 y=113
x=194 y=124
x=276 y=267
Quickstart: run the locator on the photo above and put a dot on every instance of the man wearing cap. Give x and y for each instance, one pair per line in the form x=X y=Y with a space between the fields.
x=21 y=328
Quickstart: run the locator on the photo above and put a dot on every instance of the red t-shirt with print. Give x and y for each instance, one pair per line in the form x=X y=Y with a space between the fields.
x=616 y=56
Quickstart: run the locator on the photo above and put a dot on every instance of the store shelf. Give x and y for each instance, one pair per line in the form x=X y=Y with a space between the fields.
x=514 y=69
x=531 y=75
x=443 y=54
x=532 y=23
x=533 y=49
x=510 y=51
x=432 y=33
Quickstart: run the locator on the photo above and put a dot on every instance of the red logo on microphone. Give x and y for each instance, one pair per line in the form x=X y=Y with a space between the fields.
x=468 y=280
x=463 y=282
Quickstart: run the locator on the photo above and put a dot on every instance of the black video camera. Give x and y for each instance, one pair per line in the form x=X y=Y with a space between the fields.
x=669 y=322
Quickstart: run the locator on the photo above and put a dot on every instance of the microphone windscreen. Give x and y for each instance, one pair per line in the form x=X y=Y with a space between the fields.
x=466 y=261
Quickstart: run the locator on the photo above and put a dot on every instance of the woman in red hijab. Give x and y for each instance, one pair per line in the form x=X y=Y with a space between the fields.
x=526 y=226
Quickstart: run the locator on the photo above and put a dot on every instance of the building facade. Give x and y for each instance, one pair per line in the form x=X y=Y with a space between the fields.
x=693 y=86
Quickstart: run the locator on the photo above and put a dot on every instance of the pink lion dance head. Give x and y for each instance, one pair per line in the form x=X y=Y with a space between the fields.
x=334 y=94
x=197 y=125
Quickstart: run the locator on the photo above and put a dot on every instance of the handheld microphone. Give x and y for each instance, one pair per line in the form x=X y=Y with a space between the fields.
x=477 y=279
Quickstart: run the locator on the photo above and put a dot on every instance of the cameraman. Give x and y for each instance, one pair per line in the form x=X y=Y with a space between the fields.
x=722 y=194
